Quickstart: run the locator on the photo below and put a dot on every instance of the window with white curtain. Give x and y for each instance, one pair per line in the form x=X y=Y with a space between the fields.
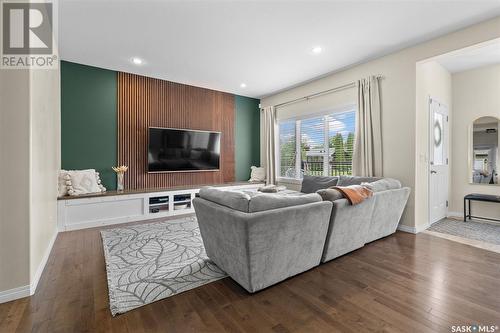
x=319 y=145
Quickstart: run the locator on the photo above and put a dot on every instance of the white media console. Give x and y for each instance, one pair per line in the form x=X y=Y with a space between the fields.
x=120 y=207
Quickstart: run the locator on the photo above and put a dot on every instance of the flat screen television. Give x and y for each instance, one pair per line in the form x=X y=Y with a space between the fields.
x=171 y=150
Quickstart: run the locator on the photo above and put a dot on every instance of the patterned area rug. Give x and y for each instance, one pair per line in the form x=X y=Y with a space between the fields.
x=481 y=231
x=149 y=262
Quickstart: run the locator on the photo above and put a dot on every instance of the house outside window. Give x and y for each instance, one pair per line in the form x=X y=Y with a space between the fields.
x=319 y=145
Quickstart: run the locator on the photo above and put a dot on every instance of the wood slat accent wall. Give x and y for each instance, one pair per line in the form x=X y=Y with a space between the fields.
x=145 y=102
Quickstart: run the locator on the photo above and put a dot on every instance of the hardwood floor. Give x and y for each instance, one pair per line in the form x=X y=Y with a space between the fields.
x=403 y=283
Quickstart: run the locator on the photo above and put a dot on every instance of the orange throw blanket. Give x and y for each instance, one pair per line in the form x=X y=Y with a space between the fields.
x=355 y=194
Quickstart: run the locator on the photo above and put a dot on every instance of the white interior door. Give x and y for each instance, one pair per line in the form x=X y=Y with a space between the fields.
x=439 y=168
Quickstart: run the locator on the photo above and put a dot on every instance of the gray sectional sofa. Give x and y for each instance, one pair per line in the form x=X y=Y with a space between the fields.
x=260 y=239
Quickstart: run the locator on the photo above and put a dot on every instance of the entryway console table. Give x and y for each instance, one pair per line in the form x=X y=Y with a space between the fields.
x=479 y=197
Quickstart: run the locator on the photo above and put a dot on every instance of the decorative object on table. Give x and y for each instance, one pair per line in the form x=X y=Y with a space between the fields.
x=78 y=182
x=149 y=262
x=120 y=173
x=257 y=175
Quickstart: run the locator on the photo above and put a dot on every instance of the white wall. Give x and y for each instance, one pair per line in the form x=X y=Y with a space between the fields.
x=30 y=158
x=433 y=80
x=45 y=162
x=14 y=179
x=400 y=121
x=476 y=93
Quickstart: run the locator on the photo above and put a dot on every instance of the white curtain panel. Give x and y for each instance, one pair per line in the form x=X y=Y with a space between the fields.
x=367 y=158
x=270 y=144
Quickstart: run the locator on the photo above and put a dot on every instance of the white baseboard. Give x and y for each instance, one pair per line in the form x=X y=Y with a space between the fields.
x=29 y=290
x=41 y=266
x=13 y=294
x=412 y=230
x=405 y=228
x=456 y=214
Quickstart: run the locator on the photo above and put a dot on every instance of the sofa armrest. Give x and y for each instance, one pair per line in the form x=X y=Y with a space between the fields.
x=224 y=231
x=388 y=209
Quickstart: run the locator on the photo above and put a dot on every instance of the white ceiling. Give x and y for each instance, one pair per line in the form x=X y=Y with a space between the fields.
x=265 y=44
x=471 y=58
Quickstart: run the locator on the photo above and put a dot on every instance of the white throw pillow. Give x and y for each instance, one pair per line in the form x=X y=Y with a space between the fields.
x=258 y=174
x=98 y=178
x=82 y=182
x=61 y=184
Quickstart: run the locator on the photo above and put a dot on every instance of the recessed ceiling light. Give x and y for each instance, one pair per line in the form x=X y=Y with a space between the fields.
x=137 y=61
x=317 y=50
x=243 y=85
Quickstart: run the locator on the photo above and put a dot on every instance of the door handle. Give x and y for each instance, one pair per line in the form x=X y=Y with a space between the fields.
x=433 y=171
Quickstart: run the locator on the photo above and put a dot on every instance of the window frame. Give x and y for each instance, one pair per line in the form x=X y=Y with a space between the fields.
x=298 y=140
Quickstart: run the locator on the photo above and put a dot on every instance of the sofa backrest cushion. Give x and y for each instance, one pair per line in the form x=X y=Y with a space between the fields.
x=267 y=201
x=330 y=194
x=310 y=184
x=355 y=180
x=233 y=199
x=383 y=184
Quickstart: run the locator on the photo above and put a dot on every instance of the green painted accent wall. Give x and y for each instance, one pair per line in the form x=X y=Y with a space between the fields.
x=247 y=135
x=89 y=138
x=89 y=120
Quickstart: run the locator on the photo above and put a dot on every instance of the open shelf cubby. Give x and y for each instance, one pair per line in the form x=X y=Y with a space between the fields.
x=172 y=203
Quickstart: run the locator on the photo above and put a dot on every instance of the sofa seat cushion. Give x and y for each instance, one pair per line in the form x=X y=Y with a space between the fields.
x=237 y=200
x=310 y=184
x=355 y=180
x=268 y=201
x=383 y=184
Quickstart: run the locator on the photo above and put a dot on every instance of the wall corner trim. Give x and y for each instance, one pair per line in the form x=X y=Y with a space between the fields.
x=41 y=267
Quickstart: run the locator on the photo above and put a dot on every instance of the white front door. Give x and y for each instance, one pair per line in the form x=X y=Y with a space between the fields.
x=439 y=169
